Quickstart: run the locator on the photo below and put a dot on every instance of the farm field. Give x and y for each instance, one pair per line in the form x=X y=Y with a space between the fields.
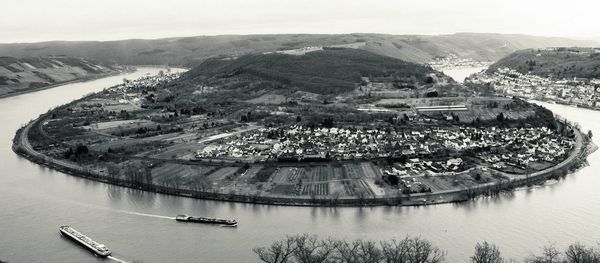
x=357 y=188
x=287 y=175
x=175 y=151
x=318 y=173
x=447 y=182
x=183 y=174
x=315 y=189
x=485 y=114
x=111 y=126
x=224 y=173
x=349 y=179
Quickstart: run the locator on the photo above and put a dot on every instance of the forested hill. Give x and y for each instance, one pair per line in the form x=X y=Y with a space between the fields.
x=328 y=71
x=23 y=74
x=554 y=62
x=189 y=51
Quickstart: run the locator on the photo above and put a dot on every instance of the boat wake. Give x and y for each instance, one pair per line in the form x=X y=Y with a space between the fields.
x=148 y=215
x=92 y=206
x=117 y=259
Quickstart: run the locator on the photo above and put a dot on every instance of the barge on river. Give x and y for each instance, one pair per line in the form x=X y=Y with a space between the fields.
x=205 y=220
x=97 y=248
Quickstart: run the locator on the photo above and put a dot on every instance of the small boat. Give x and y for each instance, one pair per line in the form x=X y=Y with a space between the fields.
x=205 y=220
x=97 y=248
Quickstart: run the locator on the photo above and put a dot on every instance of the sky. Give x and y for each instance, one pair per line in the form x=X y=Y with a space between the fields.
x=44 y=20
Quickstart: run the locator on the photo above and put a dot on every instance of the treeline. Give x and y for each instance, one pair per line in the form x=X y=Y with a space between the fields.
x=310 y=249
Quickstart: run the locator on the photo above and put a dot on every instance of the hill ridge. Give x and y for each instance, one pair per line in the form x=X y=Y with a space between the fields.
x=189 y=51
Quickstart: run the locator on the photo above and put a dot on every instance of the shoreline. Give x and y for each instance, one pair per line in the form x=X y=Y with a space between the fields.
x=90 y=78
x=567 y=104
x=576 y=160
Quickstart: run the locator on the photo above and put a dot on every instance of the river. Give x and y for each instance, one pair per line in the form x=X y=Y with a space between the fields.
x=35 y=201
x=459 y=74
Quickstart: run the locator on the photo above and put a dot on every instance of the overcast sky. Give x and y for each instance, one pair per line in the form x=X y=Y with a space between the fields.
x=42 y=20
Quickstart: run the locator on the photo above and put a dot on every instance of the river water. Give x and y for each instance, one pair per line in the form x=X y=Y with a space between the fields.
x=459 y=74
x=35 y=201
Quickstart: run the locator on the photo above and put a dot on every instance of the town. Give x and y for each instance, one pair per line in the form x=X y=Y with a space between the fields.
x=454 y=62
x=422 y=150
x=580 y=92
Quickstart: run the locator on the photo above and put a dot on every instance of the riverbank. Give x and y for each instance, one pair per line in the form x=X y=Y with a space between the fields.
x=583 y=106
x=577 y=159
x=88 y=78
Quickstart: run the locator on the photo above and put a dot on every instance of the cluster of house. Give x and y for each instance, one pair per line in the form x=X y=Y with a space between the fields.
x=419 y=167
x=151 y=80
x=126 y=96
x=522 y=147
x=452 y=62
x=421 y=147
x=128 y=91
x=577 y=91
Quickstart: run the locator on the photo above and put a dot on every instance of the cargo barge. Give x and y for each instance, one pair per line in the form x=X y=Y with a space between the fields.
x=205 y=220
x=97 y=248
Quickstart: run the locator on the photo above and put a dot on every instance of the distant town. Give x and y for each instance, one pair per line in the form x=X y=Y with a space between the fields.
x=454 y=62
x=581 y=92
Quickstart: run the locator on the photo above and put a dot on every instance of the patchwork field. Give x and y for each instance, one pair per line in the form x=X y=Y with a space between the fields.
x=485 y=114
x=315 y=189
x=288 y=175
x=184 y=174
x=225 y=173
x=357 y=188
x=349 y=179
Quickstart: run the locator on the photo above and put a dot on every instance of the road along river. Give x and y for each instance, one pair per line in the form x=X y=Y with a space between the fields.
x=35 y=201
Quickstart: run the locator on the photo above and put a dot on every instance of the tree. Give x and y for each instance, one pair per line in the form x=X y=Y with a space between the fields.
x=413 y=250
x=578 y=253
x=311 y=250
x=81 y=149
x=201 y=182
x=146 y=174
x=589 y=134
x=367 y=252
x=346 y=251
x=278 y=252
x=486 y=253
x=114 y=170
x=500 y=117
x=550 y=255
x=68 y=153
x=393 y=179
x=431 y=94
x=328 y=122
